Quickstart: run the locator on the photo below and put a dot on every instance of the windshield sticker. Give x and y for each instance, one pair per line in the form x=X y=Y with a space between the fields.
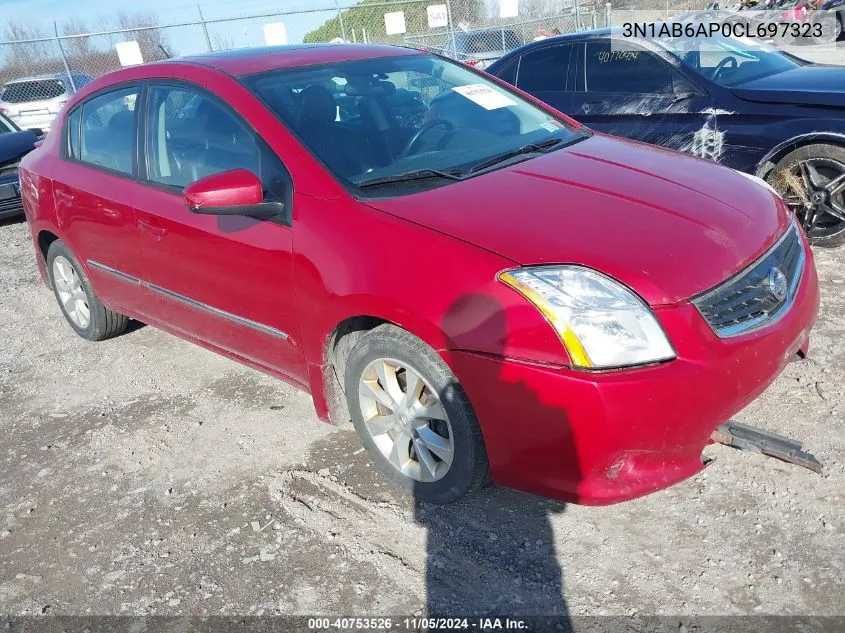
x=485 y=96
x=552 y=126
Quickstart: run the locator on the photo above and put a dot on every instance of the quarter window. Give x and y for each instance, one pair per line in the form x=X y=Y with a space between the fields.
x=627 y=70
x=191 y=136
x=108 y=130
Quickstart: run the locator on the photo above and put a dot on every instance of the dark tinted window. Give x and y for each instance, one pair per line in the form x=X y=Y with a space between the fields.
x=626 y=71
x=40 y=90
x=544 y=70
x=108 y=130
x=192 y=136
x=72 y=131
x=508 y=73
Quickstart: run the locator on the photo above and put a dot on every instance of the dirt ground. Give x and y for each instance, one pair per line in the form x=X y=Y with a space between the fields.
x=144 y=475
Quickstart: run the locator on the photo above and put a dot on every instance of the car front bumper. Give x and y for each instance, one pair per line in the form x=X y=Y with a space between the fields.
x=597 y=438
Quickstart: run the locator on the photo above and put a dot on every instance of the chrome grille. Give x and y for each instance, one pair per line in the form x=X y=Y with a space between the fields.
x=748 y=301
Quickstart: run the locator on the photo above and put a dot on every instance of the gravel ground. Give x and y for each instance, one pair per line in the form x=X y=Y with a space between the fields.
x=145 y=475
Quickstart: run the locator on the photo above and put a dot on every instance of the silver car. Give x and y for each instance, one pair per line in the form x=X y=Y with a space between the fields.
x=33 y=102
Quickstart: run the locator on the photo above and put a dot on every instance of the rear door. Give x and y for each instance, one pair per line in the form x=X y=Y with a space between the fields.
x=224 y=280
x=93 y=197
x=626 y=90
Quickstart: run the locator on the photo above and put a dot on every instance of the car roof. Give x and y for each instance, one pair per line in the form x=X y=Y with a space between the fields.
x=246 y=61
x=38 y=78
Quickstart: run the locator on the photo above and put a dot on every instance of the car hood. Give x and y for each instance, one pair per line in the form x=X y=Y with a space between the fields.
x=15 y=145
x=668 y=225
x=808 y=85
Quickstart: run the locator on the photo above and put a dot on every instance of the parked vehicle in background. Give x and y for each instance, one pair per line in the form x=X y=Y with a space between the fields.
x=480 y=47
x=741 y=103
x=33 y=102
x=14 y=145
x=407 y=270
x=837 y=7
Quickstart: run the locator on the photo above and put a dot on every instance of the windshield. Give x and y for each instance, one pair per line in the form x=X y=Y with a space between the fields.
x=729 y=61
x=378 y=118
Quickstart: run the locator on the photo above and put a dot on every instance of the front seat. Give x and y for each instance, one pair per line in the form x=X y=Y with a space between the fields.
x=338 y=147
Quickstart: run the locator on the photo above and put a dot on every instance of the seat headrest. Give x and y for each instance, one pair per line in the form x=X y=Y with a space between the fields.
x=317 y=106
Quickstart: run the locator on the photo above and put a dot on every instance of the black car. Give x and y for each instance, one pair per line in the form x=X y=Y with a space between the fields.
x=14 y=145
x=744 y=104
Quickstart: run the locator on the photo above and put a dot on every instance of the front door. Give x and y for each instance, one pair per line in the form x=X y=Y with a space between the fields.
x=224 y=280
x=626 y=90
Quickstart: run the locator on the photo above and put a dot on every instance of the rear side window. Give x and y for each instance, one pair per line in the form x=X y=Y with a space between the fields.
x=108 y=130
x=38 y=90
x=544 y=70
x=72 y=133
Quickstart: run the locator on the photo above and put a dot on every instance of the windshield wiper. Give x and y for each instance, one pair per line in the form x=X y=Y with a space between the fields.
x=531 y=148
x=408 y=176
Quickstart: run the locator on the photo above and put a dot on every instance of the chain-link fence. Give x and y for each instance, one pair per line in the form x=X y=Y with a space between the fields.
x=39 y=71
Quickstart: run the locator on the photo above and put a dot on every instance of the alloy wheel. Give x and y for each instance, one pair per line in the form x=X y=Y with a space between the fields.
x=71 y=293
x=405 y=420
x=814 y=189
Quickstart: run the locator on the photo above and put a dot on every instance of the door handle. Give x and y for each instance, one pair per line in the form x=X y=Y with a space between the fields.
x=153 y=228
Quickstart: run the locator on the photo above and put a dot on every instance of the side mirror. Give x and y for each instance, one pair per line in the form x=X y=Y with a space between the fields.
x=235 y=192
x=37 y=131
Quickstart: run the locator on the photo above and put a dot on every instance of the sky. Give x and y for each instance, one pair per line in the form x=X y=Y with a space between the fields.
x=186 y=40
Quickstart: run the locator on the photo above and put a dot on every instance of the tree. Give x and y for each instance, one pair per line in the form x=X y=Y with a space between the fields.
x=368 y=16
x=76 y=47
x=150 y=37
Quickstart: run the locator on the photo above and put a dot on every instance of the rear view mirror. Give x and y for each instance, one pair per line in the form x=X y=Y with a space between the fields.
x=235 y=192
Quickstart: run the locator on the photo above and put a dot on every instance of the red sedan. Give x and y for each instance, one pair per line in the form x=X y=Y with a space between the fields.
x=480 y=284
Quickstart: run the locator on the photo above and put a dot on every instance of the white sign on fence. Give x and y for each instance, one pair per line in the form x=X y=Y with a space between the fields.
x=275 y=34
x=129 y=53
x=437 y=16
x=394 y=23
x=508 y=8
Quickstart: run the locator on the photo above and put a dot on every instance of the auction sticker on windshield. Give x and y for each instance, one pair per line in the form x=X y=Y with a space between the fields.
x=485 y=96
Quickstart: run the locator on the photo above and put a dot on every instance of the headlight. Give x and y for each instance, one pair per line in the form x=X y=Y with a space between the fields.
x=601 y=323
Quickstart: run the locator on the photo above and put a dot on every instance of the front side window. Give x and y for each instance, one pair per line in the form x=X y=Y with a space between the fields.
x=368 y=120
x=191 y=135
x=627 y=70
x=107 y=137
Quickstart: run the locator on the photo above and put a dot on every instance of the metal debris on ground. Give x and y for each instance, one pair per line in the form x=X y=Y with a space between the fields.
x=749 y=438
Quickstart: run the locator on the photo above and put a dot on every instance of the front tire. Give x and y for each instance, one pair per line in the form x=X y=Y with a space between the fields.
x=82 y=308
x=413 y=417
x=811 y=180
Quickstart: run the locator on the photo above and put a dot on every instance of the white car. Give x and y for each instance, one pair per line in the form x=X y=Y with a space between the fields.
x=33 y=102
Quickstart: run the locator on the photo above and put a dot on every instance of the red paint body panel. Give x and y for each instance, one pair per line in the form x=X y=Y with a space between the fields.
x=642 y=217
x=271 y=295
x=236 y=188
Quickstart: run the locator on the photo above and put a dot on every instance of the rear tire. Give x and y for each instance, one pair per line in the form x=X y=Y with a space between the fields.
x=413 y=417
x=811 y=180
x=82 y=309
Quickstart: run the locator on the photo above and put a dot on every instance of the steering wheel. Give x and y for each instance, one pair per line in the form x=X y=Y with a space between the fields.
x=425 y=129
x=730 y=59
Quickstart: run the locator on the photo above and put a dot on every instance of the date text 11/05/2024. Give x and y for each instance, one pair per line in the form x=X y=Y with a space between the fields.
x=416 y=624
